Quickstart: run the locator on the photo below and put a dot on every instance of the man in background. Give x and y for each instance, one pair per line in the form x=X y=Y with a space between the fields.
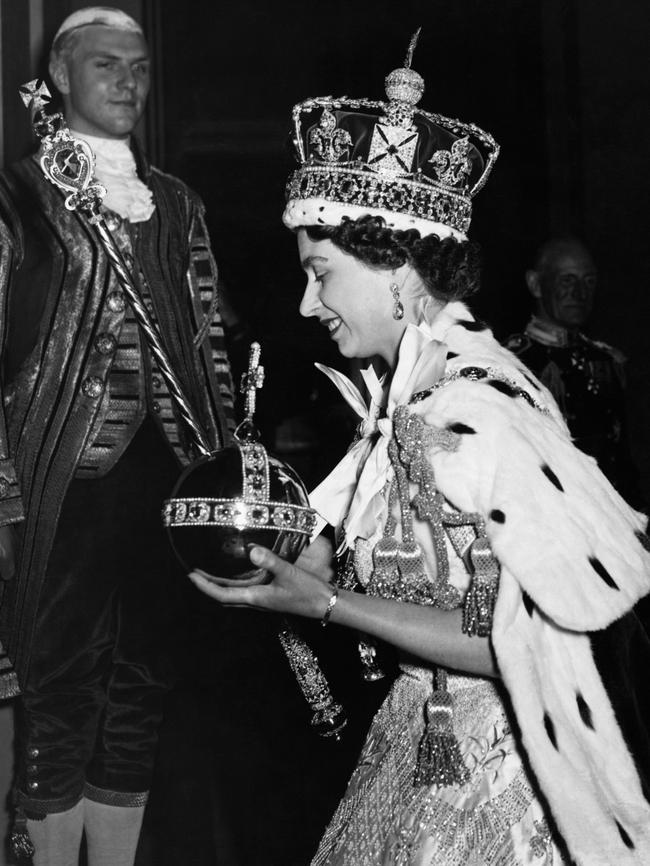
x=91 y=444
x=586 y=377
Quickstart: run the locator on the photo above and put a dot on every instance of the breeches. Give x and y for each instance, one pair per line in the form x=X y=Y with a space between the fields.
x=102 y=657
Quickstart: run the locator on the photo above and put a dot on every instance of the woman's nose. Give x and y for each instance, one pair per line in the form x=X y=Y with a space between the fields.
x=310 y=301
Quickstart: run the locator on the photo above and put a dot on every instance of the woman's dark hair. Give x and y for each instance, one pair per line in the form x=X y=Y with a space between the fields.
x=449 y=269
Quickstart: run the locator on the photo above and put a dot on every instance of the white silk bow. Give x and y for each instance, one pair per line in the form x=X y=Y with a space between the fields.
x=352 y=492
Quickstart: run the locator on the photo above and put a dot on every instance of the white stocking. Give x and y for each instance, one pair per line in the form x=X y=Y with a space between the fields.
x=112 y=833
x=57 y=837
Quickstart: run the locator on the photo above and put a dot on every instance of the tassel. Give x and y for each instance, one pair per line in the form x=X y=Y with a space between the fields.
x=439 y=759
x=417 y=588
x=410 y=560
x=482 y=594
x=21 y=846
x=384 y=581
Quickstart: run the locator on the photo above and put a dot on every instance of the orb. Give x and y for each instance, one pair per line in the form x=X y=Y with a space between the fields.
x=235 y=498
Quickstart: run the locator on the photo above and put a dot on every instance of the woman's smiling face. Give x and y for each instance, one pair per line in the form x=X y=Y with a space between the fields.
x=354 y=302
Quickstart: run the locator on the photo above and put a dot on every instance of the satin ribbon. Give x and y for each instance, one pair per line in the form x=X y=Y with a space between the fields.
x=352 y=492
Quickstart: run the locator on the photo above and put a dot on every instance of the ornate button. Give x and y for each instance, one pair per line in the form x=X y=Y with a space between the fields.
x=105 y=344
x=31 y=769
x=128 y=259
x=116 y=302
x=33 y=786
x=92 y=386
x=155 y=406
x=33 y=752
x=4 y=486
x=156 y=382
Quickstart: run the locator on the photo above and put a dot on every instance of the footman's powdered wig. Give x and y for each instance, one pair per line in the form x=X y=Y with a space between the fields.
x=106 y=16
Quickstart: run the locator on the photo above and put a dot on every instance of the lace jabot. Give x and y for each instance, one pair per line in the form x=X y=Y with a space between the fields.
x=115 y=169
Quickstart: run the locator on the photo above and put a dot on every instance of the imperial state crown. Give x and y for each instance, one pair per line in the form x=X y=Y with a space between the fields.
x=392 y=159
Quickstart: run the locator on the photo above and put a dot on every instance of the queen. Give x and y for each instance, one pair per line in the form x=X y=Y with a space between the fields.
x=472 y=535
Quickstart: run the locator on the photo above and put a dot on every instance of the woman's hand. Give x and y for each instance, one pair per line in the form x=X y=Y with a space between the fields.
x=427 y=632
x=293 y=589
x=317 y=558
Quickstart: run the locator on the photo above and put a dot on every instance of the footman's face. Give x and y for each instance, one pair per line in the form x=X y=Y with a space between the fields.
x=105 y=82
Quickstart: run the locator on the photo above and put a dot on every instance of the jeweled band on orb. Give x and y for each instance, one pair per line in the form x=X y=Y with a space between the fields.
x=238 y=513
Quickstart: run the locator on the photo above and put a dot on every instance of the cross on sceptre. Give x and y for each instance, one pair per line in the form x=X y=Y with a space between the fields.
x=34 y=95
x=252 y=380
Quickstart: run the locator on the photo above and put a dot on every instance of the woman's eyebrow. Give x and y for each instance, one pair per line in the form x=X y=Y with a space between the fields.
x=309 y=260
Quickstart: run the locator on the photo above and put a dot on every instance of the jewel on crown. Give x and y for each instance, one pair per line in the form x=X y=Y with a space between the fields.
x=404 y=89
x=453 y=166
x=329 y=142
x=393 y=144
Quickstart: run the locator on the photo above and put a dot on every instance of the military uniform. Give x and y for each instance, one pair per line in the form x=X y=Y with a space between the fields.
x=586 y=378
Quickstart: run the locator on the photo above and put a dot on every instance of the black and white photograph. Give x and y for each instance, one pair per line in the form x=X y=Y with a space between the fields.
x=324 y=423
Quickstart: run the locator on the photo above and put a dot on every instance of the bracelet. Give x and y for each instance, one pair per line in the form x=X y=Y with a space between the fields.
x=334 y=597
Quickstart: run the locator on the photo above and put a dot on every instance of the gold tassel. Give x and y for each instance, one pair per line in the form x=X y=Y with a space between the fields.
x=439 y=759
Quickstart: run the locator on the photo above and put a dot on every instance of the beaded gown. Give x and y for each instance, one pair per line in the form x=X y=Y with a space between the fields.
x=497 y=816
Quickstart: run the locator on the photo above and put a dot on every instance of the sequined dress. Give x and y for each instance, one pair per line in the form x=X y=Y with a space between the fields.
x=494 y=819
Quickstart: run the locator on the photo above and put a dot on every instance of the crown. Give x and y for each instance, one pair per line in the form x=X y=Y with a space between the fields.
x=392 y=159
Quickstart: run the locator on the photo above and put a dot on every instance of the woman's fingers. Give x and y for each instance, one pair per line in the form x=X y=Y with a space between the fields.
x=230 y=594
x=265 y=558
x=245 y=593
x=253 y=577
x=317 y=558
x=291 y=590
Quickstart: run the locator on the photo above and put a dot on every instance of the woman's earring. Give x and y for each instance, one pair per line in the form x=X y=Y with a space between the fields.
x=398 y=308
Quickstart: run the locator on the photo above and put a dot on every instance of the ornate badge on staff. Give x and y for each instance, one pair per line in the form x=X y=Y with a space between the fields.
x=228 y=499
